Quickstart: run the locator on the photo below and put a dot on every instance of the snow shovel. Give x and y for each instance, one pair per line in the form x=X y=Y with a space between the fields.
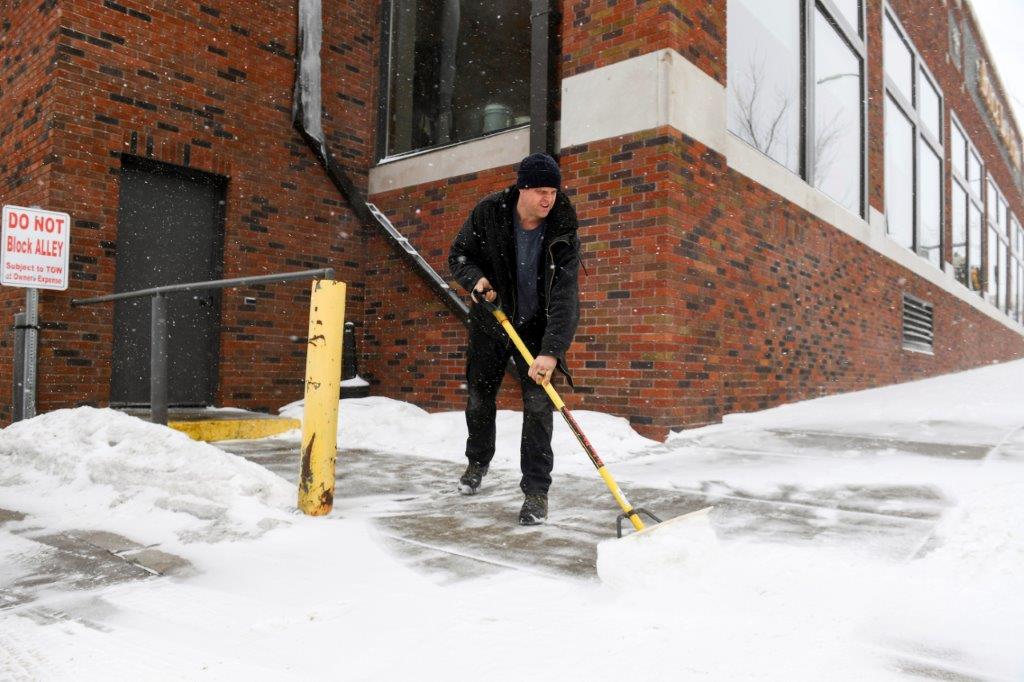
x=628 y=511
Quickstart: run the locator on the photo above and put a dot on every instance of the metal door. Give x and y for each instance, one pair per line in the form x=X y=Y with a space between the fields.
x=170 y=230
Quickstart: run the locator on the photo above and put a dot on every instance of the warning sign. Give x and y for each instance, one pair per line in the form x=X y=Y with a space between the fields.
x=35 y=248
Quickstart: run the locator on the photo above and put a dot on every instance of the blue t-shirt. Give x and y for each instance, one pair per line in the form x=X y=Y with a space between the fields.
x=528 y=251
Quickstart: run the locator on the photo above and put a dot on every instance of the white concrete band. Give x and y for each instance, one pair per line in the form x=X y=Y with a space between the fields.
x=493 y=151
x=650 y=91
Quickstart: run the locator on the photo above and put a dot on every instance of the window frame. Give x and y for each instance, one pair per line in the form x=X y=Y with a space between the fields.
x=383 y=138
x=1015 y=290
x=998 y=222
x=855 y=38
x=910 y=110
x=963 y=181
x=1017 y=249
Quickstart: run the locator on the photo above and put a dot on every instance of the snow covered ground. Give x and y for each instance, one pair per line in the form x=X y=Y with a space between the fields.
x=908 y=560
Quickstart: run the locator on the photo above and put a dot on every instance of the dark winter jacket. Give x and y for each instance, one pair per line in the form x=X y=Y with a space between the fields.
x=485 y=247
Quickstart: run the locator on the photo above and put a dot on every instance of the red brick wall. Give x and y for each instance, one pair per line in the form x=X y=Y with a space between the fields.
x=28 y=50
x=597 y=33
x=208 y=86
x=706 y=294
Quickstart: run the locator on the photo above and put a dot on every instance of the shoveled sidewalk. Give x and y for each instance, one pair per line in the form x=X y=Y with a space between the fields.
x=430 y=526
x=418 y=510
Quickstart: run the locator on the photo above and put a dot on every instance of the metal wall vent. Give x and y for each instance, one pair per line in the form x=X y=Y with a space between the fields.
x=918 y=329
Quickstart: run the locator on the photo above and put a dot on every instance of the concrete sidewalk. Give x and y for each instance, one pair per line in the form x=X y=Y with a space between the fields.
x=418 y=510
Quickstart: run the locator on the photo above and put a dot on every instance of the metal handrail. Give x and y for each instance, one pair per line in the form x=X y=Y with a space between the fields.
x=327 y=273
x=158 y=365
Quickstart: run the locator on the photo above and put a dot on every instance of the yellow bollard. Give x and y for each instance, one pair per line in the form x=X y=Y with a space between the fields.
x=323 y=389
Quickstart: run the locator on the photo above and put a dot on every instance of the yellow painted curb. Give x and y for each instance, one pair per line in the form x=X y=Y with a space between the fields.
x=234 y=429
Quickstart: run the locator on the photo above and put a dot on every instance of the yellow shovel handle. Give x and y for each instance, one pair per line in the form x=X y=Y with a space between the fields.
x=613 y=487
x=527 y=355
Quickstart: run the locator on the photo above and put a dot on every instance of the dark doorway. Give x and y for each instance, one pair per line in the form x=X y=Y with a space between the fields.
x=170 y=230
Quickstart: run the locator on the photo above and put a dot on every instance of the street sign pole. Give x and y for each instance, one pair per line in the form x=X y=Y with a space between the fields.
x=28 y=394
x=34 y=254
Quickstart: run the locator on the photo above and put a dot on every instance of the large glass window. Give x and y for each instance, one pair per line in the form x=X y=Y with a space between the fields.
x=930 y=107
x=997 y=284
x=457 y=69
x=992 y=278
x=817 y=131
x=1001 y=275
x=899 y=175
x=850 y=10
x=1016 y=269
x=1017 y=240
x=966 y=208
x=929 y=188
x=764 y=77
x=974 y=172
x=1020 y=291
x=913 y=121
x=898 y=59
x=837 y=115
x=974 y=250
x=959 y=250
x=958 y=151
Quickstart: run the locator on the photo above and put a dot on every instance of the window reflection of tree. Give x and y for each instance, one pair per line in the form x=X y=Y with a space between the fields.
x=828 y=138
x=826 y=151
x=760 y=119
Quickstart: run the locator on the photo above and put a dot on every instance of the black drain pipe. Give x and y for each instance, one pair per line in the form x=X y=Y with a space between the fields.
x=306 y=112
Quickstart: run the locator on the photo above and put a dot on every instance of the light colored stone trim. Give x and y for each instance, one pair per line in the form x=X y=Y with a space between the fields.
x=652 y=90
x=493 y=151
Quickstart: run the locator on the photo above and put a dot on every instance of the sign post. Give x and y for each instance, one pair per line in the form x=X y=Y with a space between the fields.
x=34 y=254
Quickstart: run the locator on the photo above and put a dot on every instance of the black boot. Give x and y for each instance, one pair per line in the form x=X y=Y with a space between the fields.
x=534 y=511
x=470 y=481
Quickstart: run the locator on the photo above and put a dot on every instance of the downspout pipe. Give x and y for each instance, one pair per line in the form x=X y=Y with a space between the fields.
x=306 y=117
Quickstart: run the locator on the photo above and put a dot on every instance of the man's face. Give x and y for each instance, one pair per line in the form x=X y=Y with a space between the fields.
x=536 y=202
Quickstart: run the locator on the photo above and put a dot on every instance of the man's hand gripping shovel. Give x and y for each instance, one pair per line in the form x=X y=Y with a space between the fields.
x=628 y=511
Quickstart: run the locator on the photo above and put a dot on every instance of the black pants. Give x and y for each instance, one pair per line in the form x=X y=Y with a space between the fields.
x=485 y=368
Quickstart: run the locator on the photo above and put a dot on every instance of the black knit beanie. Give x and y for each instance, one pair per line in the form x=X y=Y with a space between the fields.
x=539 y=170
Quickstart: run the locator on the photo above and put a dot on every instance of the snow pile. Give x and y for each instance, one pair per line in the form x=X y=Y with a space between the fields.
x=378 y=423
x=88 y=467
x=989 y=396
x=684 y=548
x=984 y=536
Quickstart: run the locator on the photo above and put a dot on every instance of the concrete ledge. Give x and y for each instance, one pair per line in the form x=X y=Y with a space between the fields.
x=493 y=151
x=646 y=92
